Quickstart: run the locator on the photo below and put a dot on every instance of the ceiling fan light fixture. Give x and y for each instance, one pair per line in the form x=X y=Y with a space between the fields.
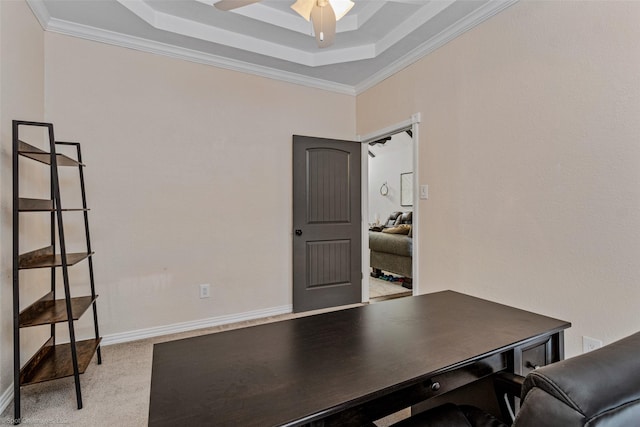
x=304 y=7
x=324 y=24
x=341 y=7
x=322 y=13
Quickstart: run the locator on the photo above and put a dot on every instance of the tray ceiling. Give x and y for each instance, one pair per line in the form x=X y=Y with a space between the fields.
x=373 y=41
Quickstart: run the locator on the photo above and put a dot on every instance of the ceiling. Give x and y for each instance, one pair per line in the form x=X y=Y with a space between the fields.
x=373 y=41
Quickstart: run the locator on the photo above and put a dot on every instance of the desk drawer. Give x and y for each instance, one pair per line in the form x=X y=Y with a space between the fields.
x=536 y=355
x=437 y=385
x=452 y=380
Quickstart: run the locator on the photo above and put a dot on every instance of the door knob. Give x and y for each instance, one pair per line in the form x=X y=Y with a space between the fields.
x=298 y=232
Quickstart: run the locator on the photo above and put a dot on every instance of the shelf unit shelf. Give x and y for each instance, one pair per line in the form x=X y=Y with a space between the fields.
x=48 y=310
x=41 y=205
x=43 y=258
x=53 y=360
x=42 y=156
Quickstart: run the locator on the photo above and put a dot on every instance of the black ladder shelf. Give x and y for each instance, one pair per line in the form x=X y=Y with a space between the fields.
x=52 y=360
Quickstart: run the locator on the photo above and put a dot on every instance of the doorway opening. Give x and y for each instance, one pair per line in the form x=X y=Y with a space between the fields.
x=389 y=177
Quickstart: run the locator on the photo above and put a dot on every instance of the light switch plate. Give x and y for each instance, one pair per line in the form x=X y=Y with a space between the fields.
x=424 y=191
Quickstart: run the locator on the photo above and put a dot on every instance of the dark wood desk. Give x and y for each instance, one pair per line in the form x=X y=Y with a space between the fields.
x=330 y=366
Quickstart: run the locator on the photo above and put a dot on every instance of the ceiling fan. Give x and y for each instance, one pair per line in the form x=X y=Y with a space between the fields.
x=323 y=14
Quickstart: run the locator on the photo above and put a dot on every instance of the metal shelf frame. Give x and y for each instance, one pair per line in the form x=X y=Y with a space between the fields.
x=52 y=360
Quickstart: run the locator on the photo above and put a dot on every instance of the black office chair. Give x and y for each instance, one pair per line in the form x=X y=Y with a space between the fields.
x=596 y=389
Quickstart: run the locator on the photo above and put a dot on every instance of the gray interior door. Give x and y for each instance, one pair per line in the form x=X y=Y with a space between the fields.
x=327 y=244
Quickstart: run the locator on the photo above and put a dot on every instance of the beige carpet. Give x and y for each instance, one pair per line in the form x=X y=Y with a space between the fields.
x=115 y=393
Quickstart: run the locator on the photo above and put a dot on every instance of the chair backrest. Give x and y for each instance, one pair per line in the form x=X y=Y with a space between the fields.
x=596 y=389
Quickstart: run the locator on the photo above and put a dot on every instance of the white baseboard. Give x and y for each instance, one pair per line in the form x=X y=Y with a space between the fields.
x=7 y=396
x=5 y=399
x=193 y=325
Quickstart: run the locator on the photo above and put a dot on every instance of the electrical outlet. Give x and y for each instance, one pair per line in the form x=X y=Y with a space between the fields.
x=590 y=344
x=205 y=290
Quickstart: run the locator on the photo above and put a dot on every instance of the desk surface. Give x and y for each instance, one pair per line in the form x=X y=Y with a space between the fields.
x=301 y=370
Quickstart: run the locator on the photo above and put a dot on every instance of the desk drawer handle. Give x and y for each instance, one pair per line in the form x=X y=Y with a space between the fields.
x=435 y=386
x=531 y=365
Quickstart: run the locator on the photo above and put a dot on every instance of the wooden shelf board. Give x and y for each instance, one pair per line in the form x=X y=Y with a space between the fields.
x=42 y=258
x=29 y=205
x=42 y=156
x=53 y=362
x=41 y=205
x=46 y=310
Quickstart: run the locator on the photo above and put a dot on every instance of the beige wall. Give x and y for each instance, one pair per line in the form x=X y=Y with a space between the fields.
x=529 y=144
x=21 y=97
x=188 y=178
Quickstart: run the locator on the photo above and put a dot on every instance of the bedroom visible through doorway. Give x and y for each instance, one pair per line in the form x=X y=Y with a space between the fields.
x=390 y=215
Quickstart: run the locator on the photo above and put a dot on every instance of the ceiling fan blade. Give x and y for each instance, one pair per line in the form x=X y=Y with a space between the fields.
x=303 y=7
x=233 y=4
x=324 y=24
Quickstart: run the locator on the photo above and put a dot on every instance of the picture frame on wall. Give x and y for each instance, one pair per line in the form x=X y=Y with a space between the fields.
x=406 y=189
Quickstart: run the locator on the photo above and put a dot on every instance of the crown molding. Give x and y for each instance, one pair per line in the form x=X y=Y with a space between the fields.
x=108 y=37
x=40 y=11
x=437 y=41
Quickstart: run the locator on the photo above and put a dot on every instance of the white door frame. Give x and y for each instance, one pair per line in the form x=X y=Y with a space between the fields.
x=412 y=124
